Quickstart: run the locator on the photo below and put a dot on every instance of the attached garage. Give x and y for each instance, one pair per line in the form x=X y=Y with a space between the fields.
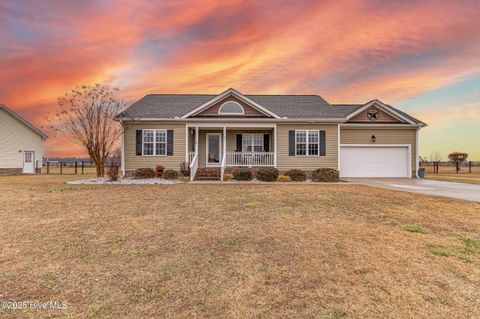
x=375 y=161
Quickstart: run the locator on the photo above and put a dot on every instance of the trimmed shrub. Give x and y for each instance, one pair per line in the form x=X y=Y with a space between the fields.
x=267 y=174
x=159 y=170
x=185 y=169
x=227 y=177
x=170 y=174
x=242 y=174
x=297 y=175
x=141 y=173
x=186 y=179
x=284 y=178
x=113 y=172
x=325 y=175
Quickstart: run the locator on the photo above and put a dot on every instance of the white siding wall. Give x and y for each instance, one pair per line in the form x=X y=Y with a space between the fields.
x=16 y=136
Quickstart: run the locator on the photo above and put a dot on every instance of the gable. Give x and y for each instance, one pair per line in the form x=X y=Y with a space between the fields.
x=212 y=111
x=374 y=114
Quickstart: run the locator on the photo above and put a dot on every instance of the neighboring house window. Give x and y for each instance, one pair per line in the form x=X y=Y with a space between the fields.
x=231 y=107
x=154 y=142
x=252 y=143
x=306 y=143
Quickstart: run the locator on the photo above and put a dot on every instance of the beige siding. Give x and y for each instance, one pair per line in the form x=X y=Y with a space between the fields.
x=383 y=136
x=133 y=162
x=16 y=137
x=284 y=161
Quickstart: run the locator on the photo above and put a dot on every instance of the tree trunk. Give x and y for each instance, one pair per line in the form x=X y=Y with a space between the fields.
x=99 y=167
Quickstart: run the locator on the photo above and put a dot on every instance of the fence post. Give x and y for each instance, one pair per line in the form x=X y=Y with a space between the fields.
x=457 y=166
x=82 y=167
x=48 y=167
x=61 y=168
x=76 y=165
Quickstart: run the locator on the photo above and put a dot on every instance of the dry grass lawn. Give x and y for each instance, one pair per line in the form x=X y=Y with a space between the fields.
x=470 y=178
x=236 y=251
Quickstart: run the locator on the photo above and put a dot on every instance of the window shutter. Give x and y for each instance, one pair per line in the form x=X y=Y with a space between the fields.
x=239 y=143
x=266 y=142
x=322 y=143
x=170 y=143
x=138 y=148
x=291 y=143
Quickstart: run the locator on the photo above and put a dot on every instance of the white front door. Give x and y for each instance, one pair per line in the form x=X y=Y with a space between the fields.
x=28 y=162
x=214 y=149
x=375 y=161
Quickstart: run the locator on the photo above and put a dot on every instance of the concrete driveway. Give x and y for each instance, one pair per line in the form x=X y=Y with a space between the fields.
x=424 y=186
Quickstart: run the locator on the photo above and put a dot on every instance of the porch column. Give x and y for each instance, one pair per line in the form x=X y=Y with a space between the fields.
x=224 y=149
x=275 y=145
x=187 y=137
x=196 y=139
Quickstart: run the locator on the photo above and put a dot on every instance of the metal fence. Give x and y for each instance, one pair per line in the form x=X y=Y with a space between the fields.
x=439 y=167
x=68 y=168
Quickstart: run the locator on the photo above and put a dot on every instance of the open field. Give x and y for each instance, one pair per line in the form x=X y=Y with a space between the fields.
x=236 y=251
x=472 y=178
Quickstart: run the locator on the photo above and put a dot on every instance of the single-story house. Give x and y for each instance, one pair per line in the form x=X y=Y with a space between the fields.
x=283 y=131
x=21 y=144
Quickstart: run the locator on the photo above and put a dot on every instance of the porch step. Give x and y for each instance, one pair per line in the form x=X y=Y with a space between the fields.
x=207 y=174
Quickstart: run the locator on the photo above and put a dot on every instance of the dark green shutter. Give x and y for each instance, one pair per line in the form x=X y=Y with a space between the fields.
x=239 y=143
x=291 y=143
x=170 y=143
x=138 y=146
x=266 y=142
x=322 y=144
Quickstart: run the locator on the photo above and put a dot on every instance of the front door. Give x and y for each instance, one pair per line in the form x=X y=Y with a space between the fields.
x=28 y=160
x=214 y=149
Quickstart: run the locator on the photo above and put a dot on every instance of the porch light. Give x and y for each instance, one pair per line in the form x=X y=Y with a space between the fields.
x=374 y=138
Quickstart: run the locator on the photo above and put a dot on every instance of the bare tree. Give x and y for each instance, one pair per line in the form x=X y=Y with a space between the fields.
x=86 y=116
x=435 y=157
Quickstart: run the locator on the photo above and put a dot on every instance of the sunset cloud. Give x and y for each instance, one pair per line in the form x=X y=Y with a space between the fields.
x=348 y=51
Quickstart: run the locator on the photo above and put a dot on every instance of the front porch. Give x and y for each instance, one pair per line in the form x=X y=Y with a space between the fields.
x=210 y=145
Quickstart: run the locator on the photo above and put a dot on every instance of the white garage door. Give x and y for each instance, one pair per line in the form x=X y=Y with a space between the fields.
x=374 y=161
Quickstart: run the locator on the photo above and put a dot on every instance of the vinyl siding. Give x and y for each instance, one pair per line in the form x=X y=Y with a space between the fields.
x=383 y=136
x=16 y=137
x=132 y=162
x=285 y=162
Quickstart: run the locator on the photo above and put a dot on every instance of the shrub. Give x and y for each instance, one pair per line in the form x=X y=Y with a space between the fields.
x=185 y=169
x=170 y=174
x=284 y=178
x=297 y=175
x=242 y=174
x=325 y=175
x=227 y=177
x=159 y=170
x=267 y=174
x=113 y=172
x=144 y=173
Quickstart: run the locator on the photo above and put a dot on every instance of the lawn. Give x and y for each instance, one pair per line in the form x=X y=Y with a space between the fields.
x=236 y=251
x=470 y=178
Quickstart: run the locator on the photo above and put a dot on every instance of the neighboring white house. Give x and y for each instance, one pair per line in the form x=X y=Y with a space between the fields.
x=21 y=144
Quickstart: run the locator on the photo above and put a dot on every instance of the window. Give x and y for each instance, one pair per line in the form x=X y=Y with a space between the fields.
x=154 y=142
x=306 y=143
x=231 y=107
x=252 y=143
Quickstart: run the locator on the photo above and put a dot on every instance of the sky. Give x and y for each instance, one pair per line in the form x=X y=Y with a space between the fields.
x=420 y=56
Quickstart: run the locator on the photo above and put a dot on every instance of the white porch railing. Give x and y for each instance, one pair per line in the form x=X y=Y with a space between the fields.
x=190 y=156
x=250 y=159
x=193 y=166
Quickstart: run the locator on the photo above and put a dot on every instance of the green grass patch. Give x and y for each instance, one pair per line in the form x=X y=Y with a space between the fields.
x=414 y=229
x=468 y=246
x=250 y=205
x=285 y=210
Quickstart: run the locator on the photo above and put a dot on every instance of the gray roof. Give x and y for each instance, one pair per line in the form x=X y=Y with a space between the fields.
x=290 y=106
x=166 y=106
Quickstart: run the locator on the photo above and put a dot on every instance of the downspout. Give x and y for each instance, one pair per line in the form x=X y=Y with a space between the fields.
x=122 y=160
x=417 y=157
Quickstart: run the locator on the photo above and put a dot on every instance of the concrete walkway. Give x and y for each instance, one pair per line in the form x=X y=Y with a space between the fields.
x=424 y=186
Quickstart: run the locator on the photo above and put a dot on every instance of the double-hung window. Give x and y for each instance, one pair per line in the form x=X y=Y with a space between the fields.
x=252 y=143
x=306 y=143
x=154 y=142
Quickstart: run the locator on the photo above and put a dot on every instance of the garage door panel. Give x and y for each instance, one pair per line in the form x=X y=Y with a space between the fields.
x=377 y=161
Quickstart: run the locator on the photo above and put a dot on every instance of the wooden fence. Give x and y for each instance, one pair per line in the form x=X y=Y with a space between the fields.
x=438 y=167
x=68 y=168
